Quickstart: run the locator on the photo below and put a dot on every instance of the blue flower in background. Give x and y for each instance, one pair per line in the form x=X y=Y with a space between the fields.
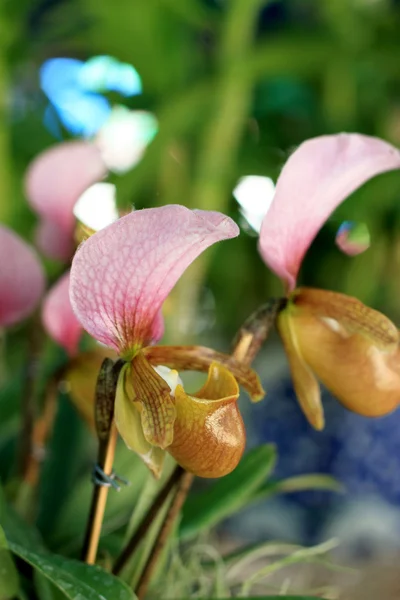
x=74 y=89
x=361 y=453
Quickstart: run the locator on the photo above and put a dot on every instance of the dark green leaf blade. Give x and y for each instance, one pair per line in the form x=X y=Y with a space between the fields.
x=75 y=579
x=9 y=583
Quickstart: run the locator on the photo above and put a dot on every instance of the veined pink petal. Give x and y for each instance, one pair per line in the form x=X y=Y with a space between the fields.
x=122 y=274
x=58 y=176
x=58 y=317
x=21 y=278
x=320 y=174
x=53 y=241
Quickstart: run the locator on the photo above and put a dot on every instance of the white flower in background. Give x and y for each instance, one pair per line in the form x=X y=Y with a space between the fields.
x=254 y=193
x=97 y=206
x=124 y=137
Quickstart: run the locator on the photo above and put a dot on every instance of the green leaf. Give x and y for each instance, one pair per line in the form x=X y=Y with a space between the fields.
x=229 y=494
x=45 y=589
x=9 y=584
x=299 y=483
x=15 y=528
x=67 y=531
x=75 y=579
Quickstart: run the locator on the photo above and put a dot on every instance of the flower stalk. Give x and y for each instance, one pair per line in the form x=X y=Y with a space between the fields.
x=181 y=491
x=99 y=499
x=107 y=435
x=247 y=344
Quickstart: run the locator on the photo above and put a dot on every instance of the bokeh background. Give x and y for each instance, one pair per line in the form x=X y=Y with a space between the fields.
x=234 y=86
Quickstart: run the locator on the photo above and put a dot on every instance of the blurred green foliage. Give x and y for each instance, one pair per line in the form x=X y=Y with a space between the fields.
x=236 y=85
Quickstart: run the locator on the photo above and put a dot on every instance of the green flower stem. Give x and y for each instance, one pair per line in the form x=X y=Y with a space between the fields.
x=148 y=520
x=182 y=490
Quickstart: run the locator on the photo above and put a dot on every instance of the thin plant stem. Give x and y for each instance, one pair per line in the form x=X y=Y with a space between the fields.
x=107 y=434
x=247 y=344
x=182 y=490
x=147 y=520
x=28 y=402
x=105 y=461
x=41 y=431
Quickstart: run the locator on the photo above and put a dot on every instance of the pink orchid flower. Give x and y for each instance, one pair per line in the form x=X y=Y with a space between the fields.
x=58 y=318
x=53 y=184
x=120 y=278
x=59 y=181
x=22 y=279
x=352 y=349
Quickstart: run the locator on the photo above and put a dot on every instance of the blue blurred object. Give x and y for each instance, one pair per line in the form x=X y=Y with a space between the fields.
x=58 y=75
x=81 y=113
x=362 y=453
x=72 y=87
x=105 y=74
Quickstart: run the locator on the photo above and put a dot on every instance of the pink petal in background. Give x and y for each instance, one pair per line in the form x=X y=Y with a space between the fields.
x=22 y=279
x=58 y=317
x=58 y=176
x=319 y=175
x=53 y=241
x=121 y=275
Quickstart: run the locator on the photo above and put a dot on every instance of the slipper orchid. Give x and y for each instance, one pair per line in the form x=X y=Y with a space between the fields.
x=120 y=278
x=21 y=278
x=352 y=349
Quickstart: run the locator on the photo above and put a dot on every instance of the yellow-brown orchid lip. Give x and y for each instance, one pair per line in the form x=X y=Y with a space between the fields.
x=209 y=435
x=352 y=349
x=204 y=432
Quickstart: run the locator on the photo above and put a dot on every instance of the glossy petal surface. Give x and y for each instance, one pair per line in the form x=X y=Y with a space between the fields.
x=318 y=176
x=209 y=435
x=304 y=382
x=58 y=317
x=360 y=364
x=349 y=313
x=21 y=278
x=121 y=275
